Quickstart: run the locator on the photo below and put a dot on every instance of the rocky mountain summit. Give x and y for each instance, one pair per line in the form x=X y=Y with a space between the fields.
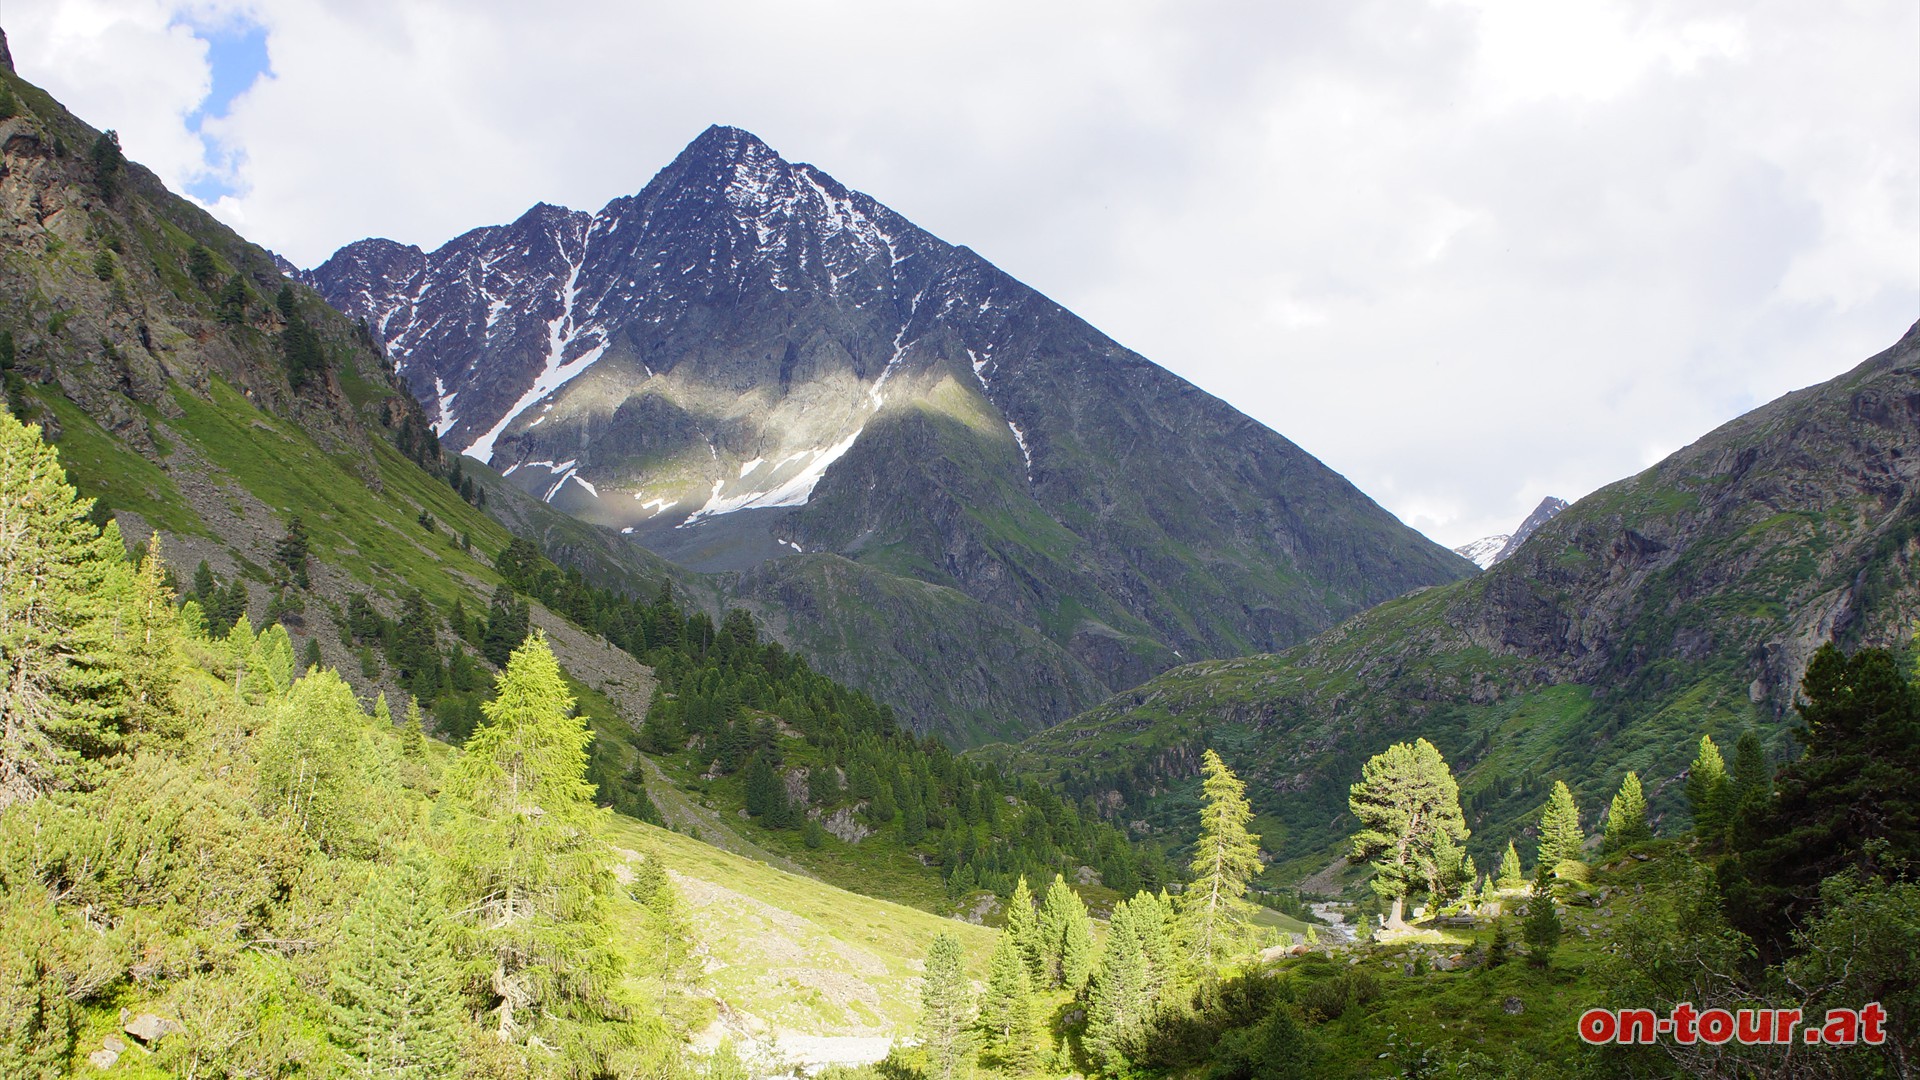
x=1489 y=550
x=747 y=365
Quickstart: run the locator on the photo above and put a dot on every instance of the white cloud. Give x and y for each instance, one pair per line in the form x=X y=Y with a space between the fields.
x=1470 y=253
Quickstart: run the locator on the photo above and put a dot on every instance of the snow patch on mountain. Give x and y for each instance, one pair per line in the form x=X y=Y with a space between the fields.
x=794 y=491
x=1483 y=551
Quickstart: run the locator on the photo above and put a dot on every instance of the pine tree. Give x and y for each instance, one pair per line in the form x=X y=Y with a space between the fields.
x=1541 y=924
x=291 y=552
x=1066 y=937
x=944 y=1007
x=1709 y=790
x=1406 y=800
x=1511 y=876
x=528 y=872
x=382 y=712
x=1023 y=927
x=1627 y=816
x=149 y=638
x=1560 y=837
x=393 y=982
x=1009 y=1028
x=63 y=692
x=1750 y=781
x=233 y=301
x=1225 y=859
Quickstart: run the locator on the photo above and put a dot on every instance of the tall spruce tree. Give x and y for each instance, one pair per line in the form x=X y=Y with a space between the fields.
x=1406 y=800
x=393 y=982
x=1560 y=836
x=1225 y=860
x=1122 y=998
x=63 y=687
x=1709 y=791
x=944 y=1006
x=1627 y=816
x=1009 y=1028
x=1023 y=927
x=528 y=872
x=1066 y=937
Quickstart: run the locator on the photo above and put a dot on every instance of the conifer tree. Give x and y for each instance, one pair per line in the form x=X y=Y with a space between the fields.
x=393 y=982
x=1750 y=779
x=1122 y=998
x=63 y=692
x=382 y=712
x=1627 y=816
x=149 y=636
x=1009 y=1029
x=1541 y=924
x=527 y=871
x=1511 y=876
x=1406 y=800
x=292 y=552
x=413 y=734
x=317 y=767
x=944 y=1007
x=1560 y=835
x=1709 y=790
x=1225 y=859
x=1023 y=928
x=1066 y=937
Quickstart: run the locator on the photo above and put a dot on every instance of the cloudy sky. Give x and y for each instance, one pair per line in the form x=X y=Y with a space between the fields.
x=1469 y=252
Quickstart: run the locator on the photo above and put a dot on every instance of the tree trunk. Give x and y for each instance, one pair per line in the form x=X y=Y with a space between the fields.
x=1396 y=919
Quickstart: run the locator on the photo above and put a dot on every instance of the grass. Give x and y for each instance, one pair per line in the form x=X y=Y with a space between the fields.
x=800 y=954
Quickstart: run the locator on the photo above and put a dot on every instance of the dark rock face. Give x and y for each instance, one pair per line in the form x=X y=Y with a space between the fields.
x=747 y=334
x=1545 y=512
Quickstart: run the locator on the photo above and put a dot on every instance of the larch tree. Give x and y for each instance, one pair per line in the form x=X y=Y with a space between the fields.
x=1225 y=860
x=527 y=868
x=944 y=1006
x=1406 y=801
x=1627 y=816
x=63 y=688
x=1561 y=839
x=1009 y=1028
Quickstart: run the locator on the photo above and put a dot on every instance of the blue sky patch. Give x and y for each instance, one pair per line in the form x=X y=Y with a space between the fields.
x=237 y=53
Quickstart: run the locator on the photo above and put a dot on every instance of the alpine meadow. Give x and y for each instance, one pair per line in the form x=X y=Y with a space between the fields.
x=736 y=633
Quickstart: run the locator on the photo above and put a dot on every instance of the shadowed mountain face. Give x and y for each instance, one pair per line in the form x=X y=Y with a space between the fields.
x=748 y=335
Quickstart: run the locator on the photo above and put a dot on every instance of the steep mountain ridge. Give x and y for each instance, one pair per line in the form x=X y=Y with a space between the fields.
x=1683 y=600
x=746 y=363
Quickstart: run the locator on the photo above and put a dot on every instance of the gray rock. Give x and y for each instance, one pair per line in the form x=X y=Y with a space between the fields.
x=1513 y=1006
x=103 y=1059
x=150 y=1029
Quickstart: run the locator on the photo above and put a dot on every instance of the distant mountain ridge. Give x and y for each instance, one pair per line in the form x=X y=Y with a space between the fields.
x=748 y=366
